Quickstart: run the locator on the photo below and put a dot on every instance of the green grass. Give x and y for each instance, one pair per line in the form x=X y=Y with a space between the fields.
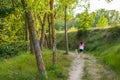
x=18 y=68
x=23 y=67
x=112 y=57
x=106 y=47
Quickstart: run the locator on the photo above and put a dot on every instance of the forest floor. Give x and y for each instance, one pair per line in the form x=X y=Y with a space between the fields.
x=88 y=67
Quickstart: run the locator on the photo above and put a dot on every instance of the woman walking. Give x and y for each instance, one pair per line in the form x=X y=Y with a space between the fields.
x=81 y=48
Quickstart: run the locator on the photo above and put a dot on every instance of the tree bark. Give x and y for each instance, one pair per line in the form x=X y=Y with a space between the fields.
x=53 y=32
x=32 y=51
x=50 y=32
x=66 y=35
x=31 y=27
x=27 y=36
x=13 y=3
x=26 y=29
x=43 y=29
x=46 y=41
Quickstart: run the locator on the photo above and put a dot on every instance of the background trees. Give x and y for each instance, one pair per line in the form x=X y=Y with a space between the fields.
x=86 y=20
x=99 y=18
x=102 y=22
x=111 y=15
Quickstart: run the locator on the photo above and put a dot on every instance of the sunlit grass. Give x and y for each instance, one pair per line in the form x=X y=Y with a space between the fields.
x=23 y=67
x=107 y=49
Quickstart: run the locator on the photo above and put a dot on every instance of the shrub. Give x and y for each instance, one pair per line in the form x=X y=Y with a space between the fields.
x=113 y=33
x=12 y=49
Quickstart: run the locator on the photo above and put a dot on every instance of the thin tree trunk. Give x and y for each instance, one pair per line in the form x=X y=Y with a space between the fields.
x=46 y=41
x=32 y=51
x=26 y=29
x=53 y=32
x=50 y=32
x=27 y=36
x=66 y=35
x=13 y=3
x=31 y=27
x=43 y=29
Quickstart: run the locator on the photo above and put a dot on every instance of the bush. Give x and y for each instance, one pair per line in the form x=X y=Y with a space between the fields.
x=12 y=49
x=82 y=33
x=113 y=33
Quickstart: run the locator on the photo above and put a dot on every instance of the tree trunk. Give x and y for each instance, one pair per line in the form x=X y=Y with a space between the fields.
x=66 y=35
x=32 y=51
x=46 y=41
x=27 y=36
x=31 y=27
x=53 y=32
x=43 y=29
x=26 y=29
x=13 y=3
x=50 y=32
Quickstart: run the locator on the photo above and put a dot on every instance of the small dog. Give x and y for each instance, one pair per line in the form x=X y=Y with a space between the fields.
x=76 y=53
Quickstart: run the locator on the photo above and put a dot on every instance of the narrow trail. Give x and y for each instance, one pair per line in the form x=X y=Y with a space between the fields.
x=76 y=71
x=88 y=68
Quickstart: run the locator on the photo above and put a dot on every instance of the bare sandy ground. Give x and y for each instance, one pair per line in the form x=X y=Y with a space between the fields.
x=76 y=71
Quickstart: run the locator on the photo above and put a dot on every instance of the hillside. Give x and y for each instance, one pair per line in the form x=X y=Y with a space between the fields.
x=103 y=43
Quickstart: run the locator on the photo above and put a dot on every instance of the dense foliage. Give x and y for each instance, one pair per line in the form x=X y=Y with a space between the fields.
x=11 y=28
x=102 y=22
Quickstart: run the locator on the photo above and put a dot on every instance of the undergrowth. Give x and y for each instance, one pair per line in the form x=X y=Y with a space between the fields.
x=23 y=67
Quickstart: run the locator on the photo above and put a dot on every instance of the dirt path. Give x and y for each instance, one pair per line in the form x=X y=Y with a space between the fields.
x=88 y=68
x=76 y=71
x=95 y=70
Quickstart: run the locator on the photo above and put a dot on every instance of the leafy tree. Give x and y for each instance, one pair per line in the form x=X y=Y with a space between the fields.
x=32 y=31
x=102 y=22
x=86 y=20
x=67 y=6
x=111 y=15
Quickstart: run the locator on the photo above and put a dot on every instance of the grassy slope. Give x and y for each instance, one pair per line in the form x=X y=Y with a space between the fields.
x=104 y=43
x=23 y=67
